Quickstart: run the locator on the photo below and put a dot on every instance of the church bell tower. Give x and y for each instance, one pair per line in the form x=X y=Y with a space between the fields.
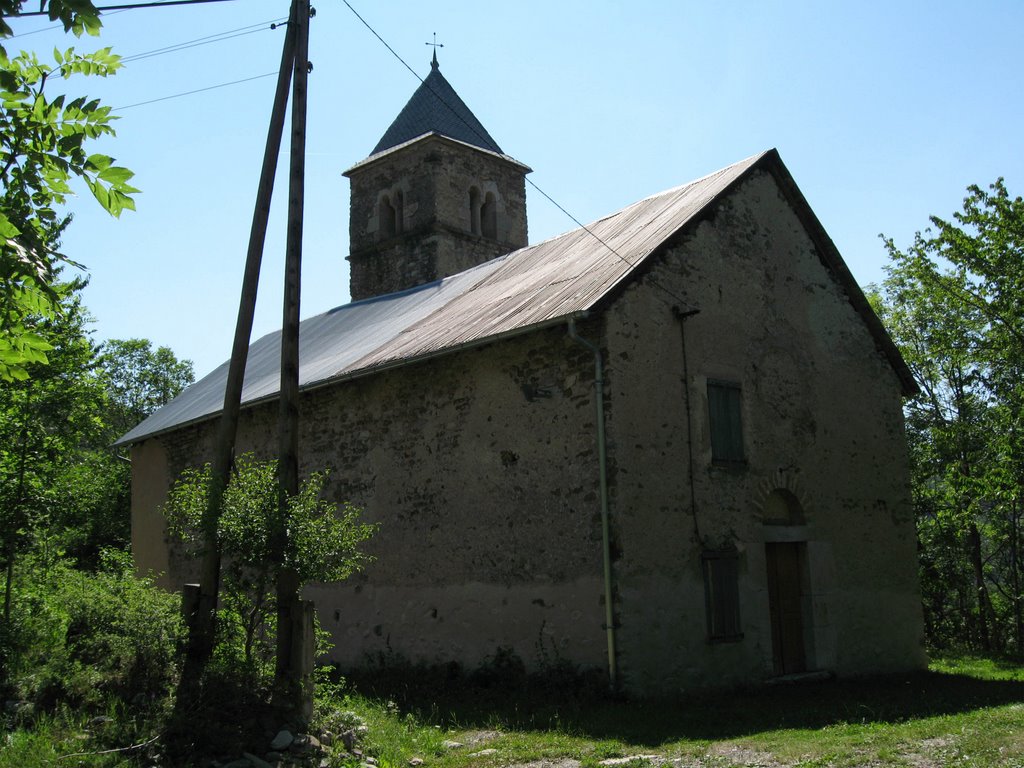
x=435 y=197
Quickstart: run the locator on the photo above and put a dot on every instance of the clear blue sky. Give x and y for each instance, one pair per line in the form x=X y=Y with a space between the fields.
x=884 y=112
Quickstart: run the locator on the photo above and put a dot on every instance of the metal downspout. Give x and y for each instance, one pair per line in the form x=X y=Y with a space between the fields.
x=683 y=316
x=602 y=459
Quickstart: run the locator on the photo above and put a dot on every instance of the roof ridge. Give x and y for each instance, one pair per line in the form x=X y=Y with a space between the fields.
x=537 y=286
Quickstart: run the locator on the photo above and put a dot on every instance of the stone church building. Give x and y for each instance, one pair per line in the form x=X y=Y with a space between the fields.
x=669 y=444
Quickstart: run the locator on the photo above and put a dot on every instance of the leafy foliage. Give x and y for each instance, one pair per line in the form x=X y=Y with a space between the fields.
x=140 y=380
x=79 y=630
x=77 y=16
x=59 y=479
x=952 y=303
x=323 y=541
x=43 y=148
x=45 y=419
x=77 y=637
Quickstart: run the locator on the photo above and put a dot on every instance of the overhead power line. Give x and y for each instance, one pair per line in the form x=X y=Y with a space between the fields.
x=130 y=6
x=215 y=38
x=197 y=90
x=46 y=29
x=263 y=26
x=206 y=40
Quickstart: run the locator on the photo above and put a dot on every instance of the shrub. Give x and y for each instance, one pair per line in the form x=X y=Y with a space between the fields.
x=323 y=544
x=78 y=637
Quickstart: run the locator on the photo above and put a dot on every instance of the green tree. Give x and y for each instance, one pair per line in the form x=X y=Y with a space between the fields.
x=953 y=303
x=140 y=380
x=95 y=482
x=45 y=419
x=947 y=425
x=87 y=638
x=60 y=479
x=43 y=147
x=323 y=541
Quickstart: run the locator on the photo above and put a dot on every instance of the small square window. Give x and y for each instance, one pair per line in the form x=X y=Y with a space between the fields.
x=724 y=414
x=722 y=594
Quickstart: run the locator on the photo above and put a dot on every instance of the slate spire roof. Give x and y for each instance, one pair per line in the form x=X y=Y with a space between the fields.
x=435 y=107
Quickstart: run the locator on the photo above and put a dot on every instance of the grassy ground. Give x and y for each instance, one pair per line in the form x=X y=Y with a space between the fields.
x=967 y=712
x=962 y=712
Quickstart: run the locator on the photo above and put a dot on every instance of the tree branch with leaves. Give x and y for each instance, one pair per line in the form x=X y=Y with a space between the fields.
x=44 y=149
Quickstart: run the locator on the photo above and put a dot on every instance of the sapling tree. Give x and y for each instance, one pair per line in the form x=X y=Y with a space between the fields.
x=323 y=540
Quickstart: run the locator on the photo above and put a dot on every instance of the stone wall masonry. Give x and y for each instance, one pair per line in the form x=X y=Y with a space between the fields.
x=151 y=477
x=822 y=420
x=434 y=176
x=481 y=470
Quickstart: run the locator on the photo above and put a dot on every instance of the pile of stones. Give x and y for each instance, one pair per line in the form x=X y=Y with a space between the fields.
x=293 y=748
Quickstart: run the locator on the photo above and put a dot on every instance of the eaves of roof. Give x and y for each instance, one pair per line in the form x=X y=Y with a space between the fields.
x=568 y=276
x=435 y=136
x=834 y=262
x=771 y=162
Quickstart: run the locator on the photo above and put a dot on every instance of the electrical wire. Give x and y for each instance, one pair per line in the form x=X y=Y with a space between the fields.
x=47 y=29
x=208 y=39
x=197 y=90
x=484 y=139
x=385 y=44
x=215 y=38
x=127 y=6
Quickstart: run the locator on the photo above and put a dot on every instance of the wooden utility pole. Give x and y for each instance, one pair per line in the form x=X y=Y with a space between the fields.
x=291 y=690
x=202 y=614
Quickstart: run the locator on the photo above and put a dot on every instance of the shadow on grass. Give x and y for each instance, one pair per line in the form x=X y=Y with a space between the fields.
x=579 y=707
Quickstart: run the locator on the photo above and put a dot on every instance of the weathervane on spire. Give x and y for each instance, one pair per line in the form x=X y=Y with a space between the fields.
x=433 y=64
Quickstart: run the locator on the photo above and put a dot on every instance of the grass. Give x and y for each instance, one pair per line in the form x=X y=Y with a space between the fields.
x=55 y=739
x=962 y=711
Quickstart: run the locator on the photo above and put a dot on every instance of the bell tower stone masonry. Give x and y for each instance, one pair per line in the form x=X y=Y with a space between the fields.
x=435 y=197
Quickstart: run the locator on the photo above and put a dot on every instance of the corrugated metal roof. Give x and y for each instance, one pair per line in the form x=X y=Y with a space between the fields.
x=525 y=289
x=435 y=107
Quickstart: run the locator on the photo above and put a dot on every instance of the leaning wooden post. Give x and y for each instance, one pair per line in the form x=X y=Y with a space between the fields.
x=203 y=625
x=288 y=676
x=304 y=654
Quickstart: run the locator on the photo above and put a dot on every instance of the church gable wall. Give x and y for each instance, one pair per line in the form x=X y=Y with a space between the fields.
x=821 y=426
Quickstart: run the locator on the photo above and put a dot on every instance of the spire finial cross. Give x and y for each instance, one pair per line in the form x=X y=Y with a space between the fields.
x=436 y=45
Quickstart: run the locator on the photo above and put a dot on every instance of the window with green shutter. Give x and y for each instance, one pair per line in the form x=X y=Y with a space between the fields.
x=724 y=412
x=722 y=594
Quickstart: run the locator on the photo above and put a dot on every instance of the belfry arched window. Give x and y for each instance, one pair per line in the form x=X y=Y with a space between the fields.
x=399 y=207
x=386 y=217
x=489 y=217
x=474 y=210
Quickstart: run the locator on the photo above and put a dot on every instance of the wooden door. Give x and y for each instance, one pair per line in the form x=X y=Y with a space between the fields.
x=785 y=603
